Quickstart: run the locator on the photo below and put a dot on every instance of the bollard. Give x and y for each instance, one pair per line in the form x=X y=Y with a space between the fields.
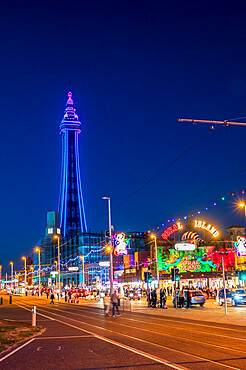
x=34 y=316
x=10 y=299
x=1 y=301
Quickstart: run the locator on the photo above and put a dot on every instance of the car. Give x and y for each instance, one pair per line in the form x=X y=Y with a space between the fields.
x=196 y=297
x=133 y=294
x=234 y=297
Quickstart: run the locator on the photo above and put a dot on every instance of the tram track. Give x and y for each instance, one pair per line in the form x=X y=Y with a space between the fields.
x=231 y=352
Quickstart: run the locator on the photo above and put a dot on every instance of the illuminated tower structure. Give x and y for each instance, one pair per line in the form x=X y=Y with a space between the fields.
x=71 y=205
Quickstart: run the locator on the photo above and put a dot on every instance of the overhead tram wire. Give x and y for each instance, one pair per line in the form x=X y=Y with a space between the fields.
x=200 y=193
x=204 y=204
x=163 y=169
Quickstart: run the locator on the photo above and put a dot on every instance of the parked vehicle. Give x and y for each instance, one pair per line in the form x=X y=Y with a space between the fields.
x=133 y=294
x=196 y=297
x=234 y=297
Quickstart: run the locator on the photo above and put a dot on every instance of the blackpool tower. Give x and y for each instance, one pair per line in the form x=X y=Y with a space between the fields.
x=71 y=205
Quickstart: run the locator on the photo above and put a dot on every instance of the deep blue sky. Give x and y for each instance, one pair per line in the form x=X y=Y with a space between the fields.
x=134 y=68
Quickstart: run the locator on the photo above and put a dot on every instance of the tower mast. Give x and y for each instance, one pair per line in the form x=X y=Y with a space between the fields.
x=71 y=205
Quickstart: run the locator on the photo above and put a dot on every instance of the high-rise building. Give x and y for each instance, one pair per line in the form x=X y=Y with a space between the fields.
x=71 y=205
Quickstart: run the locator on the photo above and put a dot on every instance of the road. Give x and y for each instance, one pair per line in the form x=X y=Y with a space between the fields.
x=81 y=337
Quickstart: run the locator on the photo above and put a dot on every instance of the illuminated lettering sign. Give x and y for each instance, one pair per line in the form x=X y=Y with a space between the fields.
x=241 y=246
x=170 y=230
x=211 y=229
x=182 y=246
x=120 y=243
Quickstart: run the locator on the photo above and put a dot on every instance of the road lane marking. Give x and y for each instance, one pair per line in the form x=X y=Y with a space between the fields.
x=17 y=349
x=37 y=313
x=138 y=339
x=67 y=337
x=169 y=335
x=141 y=353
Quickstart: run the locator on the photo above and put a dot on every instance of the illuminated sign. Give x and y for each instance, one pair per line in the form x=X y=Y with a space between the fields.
x=120 y=243
x=191 y=263
x=241 y=246
x=182 y=246
x=104 y=263
x=211 y=229
x=73 y=268
x=170 y=230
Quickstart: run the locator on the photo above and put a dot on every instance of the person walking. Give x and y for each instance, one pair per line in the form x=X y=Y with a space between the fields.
x=161 y=297
x=52 y=297
x=106 y=302
x=154 y=298
x=114 y=300
x=182 y=298
x=188 y=299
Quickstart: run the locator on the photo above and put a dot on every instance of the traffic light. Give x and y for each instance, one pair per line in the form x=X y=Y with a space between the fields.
x=149 y=276
x=175 y=274
x=242 y=275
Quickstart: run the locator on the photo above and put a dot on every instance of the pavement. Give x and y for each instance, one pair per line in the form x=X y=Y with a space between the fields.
x=81 y=337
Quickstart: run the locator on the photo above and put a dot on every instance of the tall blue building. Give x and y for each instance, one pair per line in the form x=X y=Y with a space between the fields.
x=71 y=205
x=70 y=222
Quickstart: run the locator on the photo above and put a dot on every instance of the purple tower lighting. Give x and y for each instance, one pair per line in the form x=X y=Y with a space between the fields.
x=71 y=205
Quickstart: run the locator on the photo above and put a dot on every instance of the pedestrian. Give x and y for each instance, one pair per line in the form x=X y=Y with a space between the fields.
x=188 y=299
x=161 y=297
x=114 y=300
x=182 y=298
x=52 y=297
x=164 y=300
x=106 y=302
x=47 y=293
x=154 y=298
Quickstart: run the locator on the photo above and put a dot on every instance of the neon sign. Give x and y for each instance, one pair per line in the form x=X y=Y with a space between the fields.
x=191 y=263
x=120 y=243
x=211 y=229
x=241 y=246
x=170 y=230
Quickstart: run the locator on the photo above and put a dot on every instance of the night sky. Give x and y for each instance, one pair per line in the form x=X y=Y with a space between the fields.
x=134 y=68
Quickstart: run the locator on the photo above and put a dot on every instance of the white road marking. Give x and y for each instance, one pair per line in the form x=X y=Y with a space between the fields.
x=37 y=313
x=144 y=354
x=17 y=349
x=138 y=339
x=67 y=337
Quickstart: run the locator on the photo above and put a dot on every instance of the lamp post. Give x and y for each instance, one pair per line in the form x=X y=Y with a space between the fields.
x=83 y=269
x=24 y=259
x=32 y=268
x=1 y=274
x=243 y=205
x=111 y=249
x=39 y=268
x=12 y=268
x=59 y=267
x=56 y=271
x=156 y=259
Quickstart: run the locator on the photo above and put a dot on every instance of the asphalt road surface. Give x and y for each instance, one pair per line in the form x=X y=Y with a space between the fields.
x=81 y=337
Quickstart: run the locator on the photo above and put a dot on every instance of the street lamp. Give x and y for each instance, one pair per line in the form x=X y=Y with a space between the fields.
x=111 y=249
x=24 y=259
x=12 y=267
x=156 y=258
x=59 y=267
x=39 y=268
x=243 y=205
x=32 y=268
x=55 y=275
x=83 y=269
x=1 y=274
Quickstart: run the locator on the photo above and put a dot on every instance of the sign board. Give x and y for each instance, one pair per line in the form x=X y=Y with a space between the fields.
x=104 y=263
x=182 y=246
x=120 y=244
x=49 y=281
x=54 y=273
x=73 y=268
x=241 y=246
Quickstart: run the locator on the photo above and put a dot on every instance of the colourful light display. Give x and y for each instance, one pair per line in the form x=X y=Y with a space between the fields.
x=211 y=229
x=172 y=229
x=241 y=246
x=191 y=263
x=121 y=244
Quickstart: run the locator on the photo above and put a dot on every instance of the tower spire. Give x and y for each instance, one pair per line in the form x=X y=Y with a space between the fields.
x=71 y=205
